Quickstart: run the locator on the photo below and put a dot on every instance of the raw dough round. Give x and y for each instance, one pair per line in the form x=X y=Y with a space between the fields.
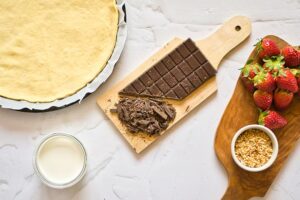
x=51 y=49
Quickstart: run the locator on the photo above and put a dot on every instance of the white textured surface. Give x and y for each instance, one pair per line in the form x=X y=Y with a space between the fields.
x=182 y=164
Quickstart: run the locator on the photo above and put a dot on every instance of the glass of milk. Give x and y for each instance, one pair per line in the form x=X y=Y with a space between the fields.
x=60 y=160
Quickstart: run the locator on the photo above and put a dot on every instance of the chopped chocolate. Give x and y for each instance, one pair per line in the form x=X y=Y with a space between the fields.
x=170 y=111
x=175 y=76
x=146 y=115
x=160 y=113
x=113 y=110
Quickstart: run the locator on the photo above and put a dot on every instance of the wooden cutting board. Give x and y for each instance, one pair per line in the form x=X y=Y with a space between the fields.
x=214 y=47
x=242 y=111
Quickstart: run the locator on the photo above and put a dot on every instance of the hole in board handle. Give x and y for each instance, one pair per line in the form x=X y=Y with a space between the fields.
x=238 y=28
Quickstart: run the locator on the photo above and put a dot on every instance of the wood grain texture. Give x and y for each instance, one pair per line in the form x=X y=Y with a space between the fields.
x=242 y=111
x=227 y=37
x=140 y=141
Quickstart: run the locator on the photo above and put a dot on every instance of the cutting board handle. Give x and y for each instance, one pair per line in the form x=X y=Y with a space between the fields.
x=235 y=191
x=229 y=35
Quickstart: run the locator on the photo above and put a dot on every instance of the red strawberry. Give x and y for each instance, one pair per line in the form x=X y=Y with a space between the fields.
x=271 y=119
x=282 y=99
x=296 y=73
x=262 y=99
x=267 y=48
x=248 y=84
x=299 y=57
x=274 y=64
x=248 y=72
x=291 y=56
x=298 y=81
x=287 y=81
x=264 y=81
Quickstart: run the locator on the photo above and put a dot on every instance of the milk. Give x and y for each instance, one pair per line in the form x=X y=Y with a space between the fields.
x=60 y=159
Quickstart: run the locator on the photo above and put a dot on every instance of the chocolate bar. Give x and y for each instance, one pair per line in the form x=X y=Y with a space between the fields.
x=175 y=76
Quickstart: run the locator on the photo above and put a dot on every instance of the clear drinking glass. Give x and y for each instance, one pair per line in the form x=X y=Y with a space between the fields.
x=42 y=176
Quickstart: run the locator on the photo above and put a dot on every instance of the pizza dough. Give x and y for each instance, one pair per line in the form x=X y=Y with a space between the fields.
x=51 y=49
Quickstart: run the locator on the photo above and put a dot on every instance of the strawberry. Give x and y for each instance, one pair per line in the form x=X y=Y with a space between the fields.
x=298 y=81
x=271 y=119
x=248 y=72
x=291 y=56
x=248 y=84
x=267 y=48
x=286 y=80
x=262 y=99
x=299 y=56
x=274 y=64
x=264 y=81
x=296 y=73
x=282 y=98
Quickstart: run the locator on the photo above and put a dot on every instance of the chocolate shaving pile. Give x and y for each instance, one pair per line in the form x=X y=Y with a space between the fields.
x=147 y=115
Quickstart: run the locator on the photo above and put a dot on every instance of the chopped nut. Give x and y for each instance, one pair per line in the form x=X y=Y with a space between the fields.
x=253 y=148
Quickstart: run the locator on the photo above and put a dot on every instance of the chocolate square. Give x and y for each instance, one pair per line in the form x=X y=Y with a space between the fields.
x=138 y=85
x=185 y=68
x=170 y=80
x=187 y=86
x=200 y=57
x=190 y=45
x=209 y=69
x=171 y=94
x=177 y=73
x=154 y=75
x=130 y=90
x=146 y=80
x=179 y=91
x=194 y=79
x=176 y=57
x=184 y=52
x=161 y=68
x=154 y=90
x=169 y=63
x=202 y=74
x=163 y=86
x=193 y=63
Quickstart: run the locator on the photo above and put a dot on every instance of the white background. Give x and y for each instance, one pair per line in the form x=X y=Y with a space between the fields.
x=182 y=164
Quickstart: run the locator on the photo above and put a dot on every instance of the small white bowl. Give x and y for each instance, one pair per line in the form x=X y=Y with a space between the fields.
x=274 y=144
